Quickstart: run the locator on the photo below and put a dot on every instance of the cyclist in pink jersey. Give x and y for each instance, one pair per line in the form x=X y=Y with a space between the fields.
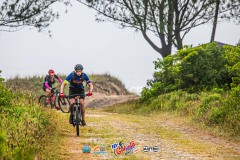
x=49 y=81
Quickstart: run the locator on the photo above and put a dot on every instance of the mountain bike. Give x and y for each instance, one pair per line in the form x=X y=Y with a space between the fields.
x=77 y=111
x=51 y=101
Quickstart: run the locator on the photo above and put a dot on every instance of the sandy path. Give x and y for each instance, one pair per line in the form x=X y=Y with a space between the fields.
x=174 y=139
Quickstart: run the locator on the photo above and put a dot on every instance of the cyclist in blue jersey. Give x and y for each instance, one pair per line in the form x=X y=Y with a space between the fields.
x=75 y=81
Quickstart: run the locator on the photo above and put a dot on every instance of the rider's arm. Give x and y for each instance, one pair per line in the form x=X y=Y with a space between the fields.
x=59 y=79
x=88 y=82
x=46 y=83
x=66 y=81
x=90 y=87
x=62 y=87
x=47 y=86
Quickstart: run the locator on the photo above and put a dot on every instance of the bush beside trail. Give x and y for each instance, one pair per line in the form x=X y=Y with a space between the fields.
x=25 y=128
x=209 y=72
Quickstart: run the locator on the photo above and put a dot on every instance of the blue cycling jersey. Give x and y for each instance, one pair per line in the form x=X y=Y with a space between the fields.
x=75 y=81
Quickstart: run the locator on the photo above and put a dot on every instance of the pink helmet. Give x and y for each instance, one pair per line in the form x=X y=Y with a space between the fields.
x=50 y=71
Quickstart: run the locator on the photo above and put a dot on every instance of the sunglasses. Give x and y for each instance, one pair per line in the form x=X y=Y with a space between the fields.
x=79 y=71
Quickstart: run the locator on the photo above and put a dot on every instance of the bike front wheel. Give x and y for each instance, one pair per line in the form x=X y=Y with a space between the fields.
x=77 y=120
x=64 y=104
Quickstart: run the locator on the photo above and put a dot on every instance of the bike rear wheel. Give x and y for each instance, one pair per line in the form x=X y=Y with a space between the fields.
x=42 y=100
x=64 y=104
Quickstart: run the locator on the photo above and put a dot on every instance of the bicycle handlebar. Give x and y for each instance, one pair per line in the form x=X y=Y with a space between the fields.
x=55 y=89
x=75 y=95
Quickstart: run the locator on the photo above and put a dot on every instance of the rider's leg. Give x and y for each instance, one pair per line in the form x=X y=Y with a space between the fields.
x=72 y=100
x=71 y=110
x=81 y=91
x=83 y=112
x=71 y=105
x=83 y=109
x=48 y=92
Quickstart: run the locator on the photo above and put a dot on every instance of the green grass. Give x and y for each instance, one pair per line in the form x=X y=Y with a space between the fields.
x=133 y=125
x=207 y=109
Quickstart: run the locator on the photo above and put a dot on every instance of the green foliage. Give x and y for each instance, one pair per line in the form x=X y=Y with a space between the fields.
x=232 y=54
x=5 y=96
x=203 y=68
x=222 y=110
x=26 y=129
x=1 y=79
x=184 y=103
x=2 y=146
x=211 y=110
x=24 y=126
x=148 y=93
x=232 y=106
x=201 y=82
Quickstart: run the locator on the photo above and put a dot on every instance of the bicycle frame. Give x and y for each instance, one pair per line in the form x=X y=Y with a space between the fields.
x=56 y=94
x=51 y=102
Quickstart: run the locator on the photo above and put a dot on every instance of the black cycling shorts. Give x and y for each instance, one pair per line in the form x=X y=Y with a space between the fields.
x=77 y=91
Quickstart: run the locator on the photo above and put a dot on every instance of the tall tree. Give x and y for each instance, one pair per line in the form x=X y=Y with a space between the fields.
x=215 y=20
x=225 y=10
x=15 y=14
x=169 y=20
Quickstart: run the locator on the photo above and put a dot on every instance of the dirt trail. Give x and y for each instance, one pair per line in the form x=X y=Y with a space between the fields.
x=174 y=139
x=99 y=100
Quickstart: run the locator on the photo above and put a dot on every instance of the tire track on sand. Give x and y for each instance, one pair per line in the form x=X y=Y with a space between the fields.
x=107 y=128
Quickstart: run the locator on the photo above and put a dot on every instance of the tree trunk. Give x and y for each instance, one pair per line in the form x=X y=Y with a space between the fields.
x=178 y=39
x=215 y=21
x=166 y=50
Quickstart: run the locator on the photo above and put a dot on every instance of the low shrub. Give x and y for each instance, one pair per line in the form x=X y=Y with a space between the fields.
x=24 y=126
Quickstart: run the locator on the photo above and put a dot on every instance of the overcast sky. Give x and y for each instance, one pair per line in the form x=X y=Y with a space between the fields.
x=99 y=47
